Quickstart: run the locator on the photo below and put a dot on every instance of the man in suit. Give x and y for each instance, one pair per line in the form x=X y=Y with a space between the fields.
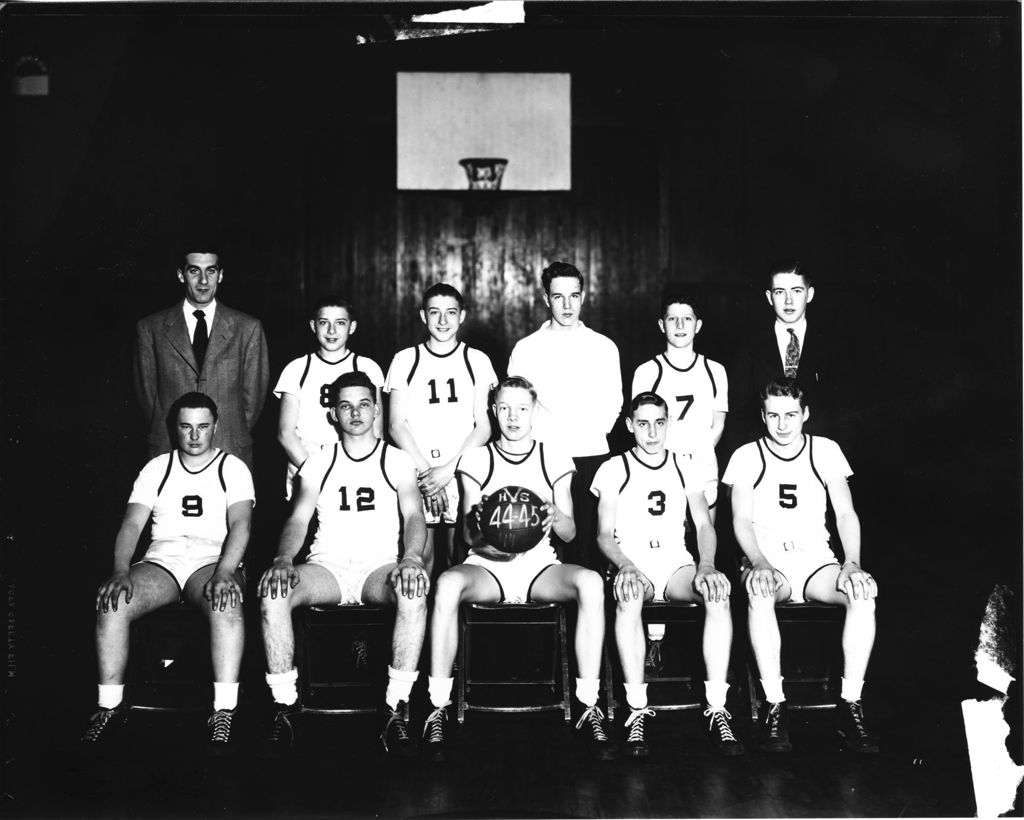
x=786 y=349
x=204 y=346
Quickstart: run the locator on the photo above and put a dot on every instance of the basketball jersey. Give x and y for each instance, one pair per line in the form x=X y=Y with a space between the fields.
x=440 y=395
x=539 y=470
x=309 y=378
x=693 y=395
x=651 y=510
x=192 y=504
x=357 y=508
x=790 y=495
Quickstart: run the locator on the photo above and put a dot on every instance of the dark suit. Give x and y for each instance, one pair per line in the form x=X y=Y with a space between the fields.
x=235 y=374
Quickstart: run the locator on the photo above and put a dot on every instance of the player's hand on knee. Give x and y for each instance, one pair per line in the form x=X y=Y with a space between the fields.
x=856 y=583
x=762 y=580
x=711 y=583
x=222 y=591
x=281 y=577
x=109 y=592
x=629 y=583
x=410 y=578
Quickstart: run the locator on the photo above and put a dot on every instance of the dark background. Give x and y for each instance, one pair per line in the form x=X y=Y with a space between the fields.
x=878 y=143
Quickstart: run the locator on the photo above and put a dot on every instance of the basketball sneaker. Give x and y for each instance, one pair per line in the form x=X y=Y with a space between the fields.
x=435 y=735
x=104 y=729
x=220 y=733
x=721 y=733
x=395 y=733
x=281 y=736
x=775 y=729
x=850 y=726
x=591 y=724
x=636 y=744
x=652 y=659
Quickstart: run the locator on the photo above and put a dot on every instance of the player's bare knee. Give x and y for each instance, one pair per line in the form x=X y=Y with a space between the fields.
x=589 y=588
x=712 y=606
x=630 y=607
x=760 y=604
x=417 y=605
x=860 y=605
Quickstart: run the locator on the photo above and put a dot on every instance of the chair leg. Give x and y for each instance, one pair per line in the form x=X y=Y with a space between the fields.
x=609 y=691
x=463 y=670
x=563 y=641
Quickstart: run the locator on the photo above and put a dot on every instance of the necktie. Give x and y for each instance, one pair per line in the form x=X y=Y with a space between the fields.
x=792 y=354
x=200 y=338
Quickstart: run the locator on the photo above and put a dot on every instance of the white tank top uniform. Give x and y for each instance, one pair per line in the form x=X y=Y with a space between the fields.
x=650 y=517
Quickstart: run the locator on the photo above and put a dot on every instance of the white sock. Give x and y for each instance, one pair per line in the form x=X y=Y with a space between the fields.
x=586 y=690
x=225 y=696
x=636 y=695
x=110 y=695
x=715 y=692
x=851 y=690
x=440 y=690
x=655 y=631
x=399 y=686
x=283 y=686
x=773 y=690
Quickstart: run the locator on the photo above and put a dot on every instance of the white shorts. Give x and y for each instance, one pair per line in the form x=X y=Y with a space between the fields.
x=515 y=577
x=182 y=557
x=349 y=575
x=659 y=565
x=798 y=564
x=451 y=491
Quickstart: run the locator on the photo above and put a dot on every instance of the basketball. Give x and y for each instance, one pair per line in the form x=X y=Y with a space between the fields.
x=510 y=519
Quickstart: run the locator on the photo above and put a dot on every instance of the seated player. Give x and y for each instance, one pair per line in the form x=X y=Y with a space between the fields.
x=304 y=424
x=201 y=501
x=642 y=500
x=364 y=494
x=489 y=575
x=438 y=411
x=781 y=485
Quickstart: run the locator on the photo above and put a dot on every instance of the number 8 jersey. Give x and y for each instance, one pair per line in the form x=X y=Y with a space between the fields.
x=790 y=495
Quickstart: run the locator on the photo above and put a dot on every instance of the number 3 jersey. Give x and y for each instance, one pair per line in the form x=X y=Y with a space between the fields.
x=192 y=504
x=357 y=509
x=790 y=495
x=440 y=392
x=651 y=509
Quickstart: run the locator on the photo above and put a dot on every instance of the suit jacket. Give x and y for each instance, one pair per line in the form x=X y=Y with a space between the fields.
x=235 y=374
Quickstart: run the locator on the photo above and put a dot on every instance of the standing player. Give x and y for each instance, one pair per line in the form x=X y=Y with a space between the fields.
x=201 y=501
x=438 y=409
x=643 y=496
x=364 y=495
x=781 y=485
x=304 y=425
x=576 y=410
x=489 y=575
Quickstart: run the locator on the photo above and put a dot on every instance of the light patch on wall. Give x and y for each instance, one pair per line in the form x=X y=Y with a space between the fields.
x=444 y=118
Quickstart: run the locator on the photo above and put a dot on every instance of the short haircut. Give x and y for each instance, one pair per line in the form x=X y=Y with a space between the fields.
x=442 y=289
x=794 y=266
x=206 y=248
x=515 y=381
x=192 y=401
x=640 y=399
x=678 y=298
x=354 y=378
x=784 y=387
x=556 y=269
x=333 y=300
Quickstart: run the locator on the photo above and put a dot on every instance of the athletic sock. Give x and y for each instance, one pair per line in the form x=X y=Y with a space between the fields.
x=773 y=690
x=586 y=690
x=851 y=690
x=636 y=695
x=655 y=631
x=400 y=684
x=283 y=686
x=715 y=692
x=225 y=696
x=110 y=695
x=440 y=690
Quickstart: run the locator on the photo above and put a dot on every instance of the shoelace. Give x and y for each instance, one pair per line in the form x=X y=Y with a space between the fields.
x=654 y=654
x=595 y=716
x=281 y=723
x=401 y=730
x=221 y=723
x=635 y=724
x=362 y=653
x=774 y=720
x=720 y=722
x=857 y=713
x=433 y=729
x=97 y=723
